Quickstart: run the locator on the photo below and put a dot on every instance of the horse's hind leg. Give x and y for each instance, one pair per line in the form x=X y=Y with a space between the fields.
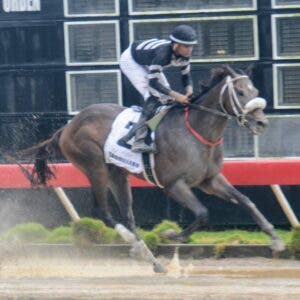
x=120 y=187
x=181 y=192
x=98 y=177
x=89 y=158
x=219 y=186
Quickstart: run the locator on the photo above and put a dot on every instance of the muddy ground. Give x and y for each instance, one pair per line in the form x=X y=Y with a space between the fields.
x=230 y=279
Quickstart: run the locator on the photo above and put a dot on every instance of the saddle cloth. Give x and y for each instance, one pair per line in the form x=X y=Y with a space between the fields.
x=119 y=155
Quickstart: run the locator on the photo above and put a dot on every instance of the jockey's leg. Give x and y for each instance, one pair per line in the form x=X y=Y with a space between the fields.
x=133 y=130
x=149 y=108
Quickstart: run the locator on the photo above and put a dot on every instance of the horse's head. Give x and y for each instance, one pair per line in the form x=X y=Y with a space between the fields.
x=239 y=98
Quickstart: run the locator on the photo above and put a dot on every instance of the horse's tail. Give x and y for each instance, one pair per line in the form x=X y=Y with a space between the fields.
x=42 y=154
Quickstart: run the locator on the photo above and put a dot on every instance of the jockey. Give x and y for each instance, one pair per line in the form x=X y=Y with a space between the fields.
x=143 y=63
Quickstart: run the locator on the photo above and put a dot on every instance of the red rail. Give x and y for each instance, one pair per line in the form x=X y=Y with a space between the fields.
x=242 y=172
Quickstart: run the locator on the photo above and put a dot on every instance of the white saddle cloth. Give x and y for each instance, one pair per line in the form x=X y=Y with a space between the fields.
x=120 y=155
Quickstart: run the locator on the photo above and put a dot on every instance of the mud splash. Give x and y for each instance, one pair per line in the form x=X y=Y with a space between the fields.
x=226 y=279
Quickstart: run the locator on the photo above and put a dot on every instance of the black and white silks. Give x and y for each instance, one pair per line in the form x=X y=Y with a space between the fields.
x=156 y=55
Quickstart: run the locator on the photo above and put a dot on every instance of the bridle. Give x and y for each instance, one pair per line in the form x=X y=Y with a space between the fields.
x=235 y=104
x=238 y=111
x=236 y=108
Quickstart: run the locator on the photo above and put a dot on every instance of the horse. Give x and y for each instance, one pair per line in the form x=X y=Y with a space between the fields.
x=190 y=154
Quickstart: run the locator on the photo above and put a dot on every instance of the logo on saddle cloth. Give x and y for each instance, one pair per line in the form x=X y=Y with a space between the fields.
x=120 y=154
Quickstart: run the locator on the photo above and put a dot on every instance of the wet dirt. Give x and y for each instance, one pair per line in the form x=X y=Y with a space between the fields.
x=234 y=279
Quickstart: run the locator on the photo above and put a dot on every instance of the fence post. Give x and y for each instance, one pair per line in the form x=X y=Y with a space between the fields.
x=285 y=205
x=67 y=204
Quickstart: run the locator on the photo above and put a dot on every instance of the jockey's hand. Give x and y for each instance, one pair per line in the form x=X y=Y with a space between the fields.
x=189 y=91
x=183 y=99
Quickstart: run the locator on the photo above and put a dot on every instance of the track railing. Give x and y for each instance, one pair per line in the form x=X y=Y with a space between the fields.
x=273 y=172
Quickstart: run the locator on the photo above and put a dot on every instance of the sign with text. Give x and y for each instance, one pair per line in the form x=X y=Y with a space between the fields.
x=21 y=5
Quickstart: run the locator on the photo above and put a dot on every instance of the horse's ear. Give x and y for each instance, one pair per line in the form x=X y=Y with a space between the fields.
x=229 y=70
x=204 y=86
x=217 y=72
x=249 y=71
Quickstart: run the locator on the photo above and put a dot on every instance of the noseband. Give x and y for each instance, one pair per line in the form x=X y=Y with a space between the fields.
x=238 y=111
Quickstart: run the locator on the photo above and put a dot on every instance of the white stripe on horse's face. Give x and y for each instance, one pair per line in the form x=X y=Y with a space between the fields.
x=250 y=87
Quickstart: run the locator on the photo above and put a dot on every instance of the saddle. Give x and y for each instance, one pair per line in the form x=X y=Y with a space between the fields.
x=121 y=154
x=157 y=118
x=152 y=124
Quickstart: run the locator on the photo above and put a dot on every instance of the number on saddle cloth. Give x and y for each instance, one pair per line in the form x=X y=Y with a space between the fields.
x=123 y=142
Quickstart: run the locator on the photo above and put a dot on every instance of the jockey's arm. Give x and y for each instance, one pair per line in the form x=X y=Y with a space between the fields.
x=189 y=90
x=187 y=79
x=180 y=98
x=156 y=69
x=155 y=84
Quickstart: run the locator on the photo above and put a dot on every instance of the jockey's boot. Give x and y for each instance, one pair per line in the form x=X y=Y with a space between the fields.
x=139 y=144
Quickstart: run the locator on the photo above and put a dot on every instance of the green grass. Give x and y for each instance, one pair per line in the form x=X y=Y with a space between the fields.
x=239 y=237
x=60 y=235
x=295 y=241
x=27 y=233
x=89 y=231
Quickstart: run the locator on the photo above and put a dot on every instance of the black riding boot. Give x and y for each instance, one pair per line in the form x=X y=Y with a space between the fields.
x=141 y=133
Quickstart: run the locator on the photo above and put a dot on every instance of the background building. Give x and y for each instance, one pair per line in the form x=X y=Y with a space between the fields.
x=57 y=57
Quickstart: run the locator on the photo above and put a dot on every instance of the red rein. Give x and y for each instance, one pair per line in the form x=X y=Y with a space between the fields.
x=198 y=136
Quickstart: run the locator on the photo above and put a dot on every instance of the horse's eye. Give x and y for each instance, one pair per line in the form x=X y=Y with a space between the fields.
x=240 y=93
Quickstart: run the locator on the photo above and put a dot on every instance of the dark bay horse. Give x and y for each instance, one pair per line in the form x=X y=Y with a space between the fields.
x=190 y=153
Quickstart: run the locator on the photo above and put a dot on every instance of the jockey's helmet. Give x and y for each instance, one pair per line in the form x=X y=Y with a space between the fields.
x=184 y=34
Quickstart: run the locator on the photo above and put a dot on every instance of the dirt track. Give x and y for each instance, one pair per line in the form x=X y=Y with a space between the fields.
x=234 y=279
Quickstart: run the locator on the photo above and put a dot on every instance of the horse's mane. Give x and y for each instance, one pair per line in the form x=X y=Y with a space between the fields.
x=217 y=75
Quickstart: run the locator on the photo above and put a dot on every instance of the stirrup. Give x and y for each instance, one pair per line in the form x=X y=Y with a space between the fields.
x=142 y=147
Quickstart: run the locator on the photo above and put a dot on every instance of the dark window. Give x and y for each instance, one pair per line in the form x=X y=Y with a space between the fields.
x=31 y=43
x=32 y=91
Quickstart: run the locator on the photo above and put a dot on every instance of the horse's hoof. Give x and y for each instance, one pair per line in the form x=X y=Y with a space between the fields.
x=173 y=235
x=278 y=245
x=158 y=268
x=169 y=234
x=135 y=253
x=179 y=238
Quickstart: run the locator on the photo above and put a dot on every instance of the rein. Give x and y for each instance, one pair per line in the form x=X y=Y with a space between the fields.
x=213 y=111
x=239 y=112
x=234 y=102
x=235 y=105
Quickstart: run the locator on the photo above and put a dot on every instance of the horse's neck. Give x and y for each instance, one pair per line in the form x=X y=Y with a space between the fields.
x=211 y=125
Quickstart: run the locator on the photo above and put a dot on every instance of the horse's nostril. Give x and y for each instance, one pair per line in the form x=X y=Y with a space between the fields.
x=261 y=124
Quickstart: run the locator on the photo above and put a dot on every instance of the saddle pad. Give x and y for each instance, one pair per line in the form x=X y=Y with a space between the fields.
x=118 y=155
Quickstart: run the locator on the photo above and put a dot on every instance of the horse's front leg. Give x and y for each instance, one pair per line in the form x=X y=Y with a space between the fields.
x=220 y=187
x=182 y=193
